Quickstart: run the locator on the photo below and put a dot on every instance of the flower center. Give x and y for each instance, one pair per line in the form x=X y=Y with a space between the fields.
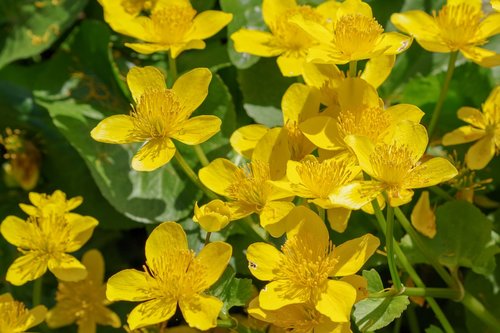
x=369 y=122
x=459 y=24
x=251 y=185
x=392 y=164
x=309 y=319
x=50 y=234
x=356 y=34
x=171 y=23
x=298 y=144
x=14 y=315
x=135 y=7
x=157 y=114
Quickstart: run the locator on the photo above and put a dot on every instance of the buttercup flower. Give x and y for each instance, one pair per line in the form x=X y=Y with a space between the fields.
x=45 y=243
x=172 y=275
x=458 y=26
x=16 y=318
x=44 y=204
x=307 y=268
x=173 y=25
x=423 y=217
x=84 y=301
x=160 y=115
x=484 y=128
x=355 y=35
x=394 y=166
x=214 y=216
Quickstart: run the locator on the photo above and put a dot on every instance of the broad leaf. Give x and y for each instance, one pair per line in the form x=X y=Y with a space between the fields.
x=232 y=290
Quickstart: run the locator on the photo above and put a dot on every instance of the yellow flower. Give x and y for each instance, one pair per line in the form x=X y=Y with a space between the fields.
x=16 y=318
x=395 y=167
x=45 y=204
x=458 y=26
x=423 y=217
x=159 y=115
x=360 y=112
x=484 y=128
x=84 y=301
x=306 y=269
x=355 y=35
x=45 y=243
x=172 y=25
x=213 y=216
x=173 y=274
x=285 y=39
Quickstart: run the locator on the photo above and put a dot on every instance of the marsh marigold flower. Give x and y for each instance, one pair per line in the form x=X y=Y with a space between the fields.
x=160 y=115
x=173 y=25
x=16 y=318
x=43 y=204
x=457 y=26
x=45 y=242
x=309 y=268
x=355 y=35
x=484 y=128
x=172 y=275
x=394 y=166
x=84 y=302
x=212 y=217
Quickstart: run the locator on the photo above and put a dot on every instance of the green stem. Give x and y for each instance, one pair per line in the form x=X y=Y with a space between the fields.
x=412 y=320
x=321 y=213
x=172 y=67
x=37 y=291
x=417 y=240
x=442 y=94
x=442 y=193
x=397 y=325
x=422 y=292
x=478 y=309
x=207 y=238
x=389 y=243
x=251 y=227
x=353 y=67
x=192 y=175
x=201 y=155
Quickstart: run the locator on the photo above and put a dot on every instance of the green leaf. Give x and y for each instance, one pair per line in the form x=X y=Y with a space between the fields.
x=232 y=290
x=372 y=314
x=248 y=15
x=28 y=28
x=433 y=329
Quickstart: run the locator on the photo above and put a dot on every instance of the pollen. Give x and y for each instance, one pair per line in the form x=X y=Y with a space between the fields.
x=392 y=164
x=156 y=115
x=356 y=34
x=171 y=23
x=459 y=24
x=14 y=315
x=50 y=234
x=369 y=122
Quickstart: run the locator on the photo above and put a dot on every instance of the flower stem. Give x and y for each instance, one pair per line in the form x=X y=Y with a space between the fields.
x=353 y=67
x=422 y=292
x=442 y=193
x=37 y=291
x=192 y=175
x=201 y=155
x=442 y=94
x=321 y=213
x=207 y=238
x=389 y=243
x=172 y=67
x=478 y=309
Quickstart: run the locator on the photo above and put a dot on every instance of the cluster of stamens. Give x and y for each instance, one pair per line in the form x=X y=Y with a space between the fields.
x=356 y=34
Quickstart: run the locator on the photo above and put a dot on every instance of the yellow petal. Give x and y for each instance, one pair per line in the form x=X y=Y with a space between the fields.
x=359 y=283
x=489 y=26
x=36 y=316
x=430 y=173
x=273 y=214
x=399 y=196
x=463 y=134
x=255 y=42
x=94 y=262
x=356 y=194
x=115 y=129
x=272 y=10
x=215 y=257
x=434 y=46
x=60 y=316
x=299 y=103
x=263 y=260
x=200 y=311
x=153 y=154
x=393 y=43
x=323 y=132
x=245 y=138
x=208 y=23
x=120 y=20
x=337 y=300
x=192 y=88
x=353 y=254
x=472 y=116
x=416 y=23
x=177 y=49
x=218 y=175
x=151 y=312
x=493 y=100
x=26 y=268
x=309 y=226
x=197 y=129
x=314 y=29
x=16 y=231
x=80 y=230
x=377 y=69
x=148 y=48
x=356 y=94
x=412 y=135
x=338 y=218
x=128 y=285
x=350 y=7
x=482 y=57
x=67 y=268
x=423 y=217
x=142 y=80
x=273 y=149
x=291 y=64
x=481 y=153
x=108 y=317
x=363 y=147
x=168 y=237
x=277 y=294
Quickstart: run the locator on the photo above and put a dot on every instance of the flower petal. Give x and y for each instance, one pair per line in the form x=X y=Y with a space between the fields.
x=128 y=285
x=416 y=23
x=115 y=129
x=26 y=268
x=272 y=10
x=151 y=312
x=463 y=134
x=60 y=316
x=299 y=103
x=197 y=129
x=481 y=153
x=412 y=135
x=363 y=147
x=218 y=175
x=141 y=80
x=359 y=283
x=168 y=237
x=94 y=262
x=356 y=94
x=263 y=260
x=323 y=132
x=400 y=112
x=337 y=300
x=482 y=57
x=308 y=226
x=215 y=257
x=291 y=64
x=80 y=230
x=350 y=7
x=356 y=194
x=36 y=316
x=472 y=116
x=338 y=218
x=108 y=318
x=16 y=231
x=67 y=268
x=272 y=216
x=208 y=23
x=277 y=294
x=423 y=218
x=200 y=311
x=192 y=88
x=255 y=42
x=274 y=150
x=489 y=26
x=245 y=138
x=177 y=49
x=377 y=69
x=393 y=43
x=353 y=254
x=153 y=154
x=148 y=48
x=430 y=173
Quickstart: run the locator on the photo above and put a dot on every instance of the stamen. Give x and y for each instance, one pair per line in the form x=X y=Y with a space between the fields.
x=392 y=164
x=171 y=23
x=369 y=122
x=356 y=33
x=459 y=24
